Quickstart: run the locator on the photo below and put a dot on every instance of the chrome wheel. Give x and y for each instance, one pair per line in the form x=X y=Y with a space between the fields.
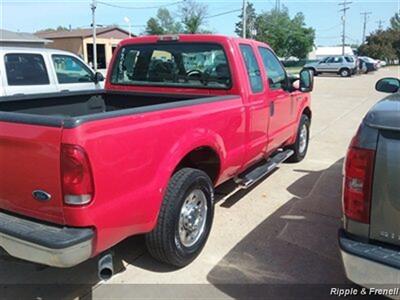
x=192 y=218
x=303 y=138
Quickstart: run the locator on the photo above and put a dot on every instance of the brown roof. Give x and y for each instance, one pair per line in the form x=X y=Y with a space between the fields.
x=80 y=32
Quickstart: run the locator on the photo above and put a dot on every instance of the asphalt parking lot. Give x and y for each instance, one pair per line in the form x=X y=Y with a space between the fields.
x=283 y=231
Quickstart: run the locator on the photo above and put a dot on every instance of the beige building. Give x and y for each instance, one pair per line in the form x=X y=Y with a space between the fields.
x=80 y=42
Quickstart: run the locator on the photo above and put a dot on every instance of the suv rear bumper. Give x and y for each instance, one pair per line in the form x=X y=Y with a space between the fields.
x=44 y=243
x=367 y=264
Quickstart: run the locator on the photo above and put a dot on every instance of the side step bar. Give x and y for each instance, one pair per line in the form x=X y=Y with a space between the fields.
x=246 y=180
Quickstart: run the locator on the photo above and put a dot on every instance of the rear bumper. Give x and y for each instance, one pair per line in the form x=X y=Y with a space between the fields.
x=369 y=265
x=43 y=243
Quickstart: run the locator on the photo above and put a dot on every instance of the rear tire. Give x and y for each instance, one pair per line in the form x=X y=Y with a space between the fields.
x=345 y=72
x=175 y=239
x=300 y=147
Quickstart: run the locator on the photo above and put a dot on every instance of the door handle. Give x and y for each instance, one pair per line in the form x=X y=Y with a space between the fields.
x=272 y=108
x=64 y=91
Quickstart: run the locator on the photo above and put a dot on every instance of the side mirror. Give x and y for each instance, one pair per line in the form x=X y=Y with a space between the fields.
x=388 y=85
x=306 y=81
x=97 y=77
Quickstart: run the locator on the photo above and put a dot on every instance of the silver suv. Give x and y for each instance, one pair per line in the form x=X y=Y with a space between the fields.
x=370 y=238
x=345 y=65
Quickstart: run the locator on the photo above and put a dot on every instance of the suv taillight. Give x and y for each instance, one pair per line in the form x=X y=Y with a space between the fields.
x=357 y=185
x=76 y=175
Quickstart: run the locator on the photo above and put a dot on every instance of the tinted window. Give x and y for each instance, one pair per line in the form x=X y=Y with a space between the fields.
x=253 y=69
x=26 y=69
x=335 y=60
x=71 y=70
x=275 y=72
x=349 y=59
x=178 y=64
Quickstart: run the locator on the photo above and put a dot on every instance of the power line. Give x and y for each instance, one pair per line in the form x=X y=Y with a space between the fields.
x=330 y=28
x=365 y=14
x=344 y=9
x=224 y=13
x=140 y=7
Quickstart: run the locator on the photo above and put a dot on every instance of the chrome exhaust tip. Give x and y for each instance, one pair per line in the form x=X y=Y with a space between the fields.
x=105 y=267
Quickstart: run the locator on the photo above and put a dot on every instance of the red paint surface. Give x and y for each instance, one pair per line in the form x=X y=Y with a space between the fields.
x=133 y=157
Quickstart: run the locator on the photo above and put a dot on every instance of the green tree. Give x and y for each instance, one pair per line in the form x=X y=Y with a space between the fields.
x=153 y=27
x=395 y=21
x=382 y=44
x=251 y=17
x=167 y=22
x=163 y=23
x=288 y=37
x=193 y=16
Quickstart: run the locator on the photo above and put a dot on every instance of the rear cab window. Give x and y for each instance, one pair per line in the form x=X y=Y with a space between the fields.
x=71 y=70
x=253 y=69
x=25 y=69
x=192 y=65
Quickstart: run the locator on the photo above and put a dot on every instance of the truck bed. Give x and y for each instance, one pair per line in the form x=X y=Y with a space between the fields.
x=71 y=109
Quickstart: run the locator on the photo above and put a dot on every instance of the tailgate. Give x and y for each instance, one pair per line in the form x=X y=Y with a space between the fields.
x=30 y=161
x=385 y=206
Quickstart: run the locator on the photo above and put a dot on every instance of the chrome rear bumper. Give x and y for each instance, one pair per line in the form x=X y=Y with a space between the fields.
x=43 y=243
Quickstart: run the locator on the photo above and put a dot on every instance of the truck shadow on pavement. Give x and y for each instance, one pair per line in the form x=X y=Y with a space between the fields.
x=294 y=251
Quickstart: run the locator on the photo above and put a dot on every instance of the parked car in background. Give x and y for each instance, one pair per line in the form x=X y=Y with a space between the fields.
x=367 y=64
x=82 y=171
x=370 y=238
x=32 y=71
x=345 y=65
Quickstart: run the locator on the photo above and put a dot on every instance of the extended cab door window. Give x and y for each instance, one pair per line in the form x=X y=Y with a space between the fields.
x=26 y=73
x=253 y=69
x=25 y=69
x=275 y=72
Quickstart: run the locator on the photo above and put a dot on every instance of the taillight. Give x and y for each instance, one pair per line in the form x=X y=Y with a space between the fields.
x=358 y=183
x=76 y=175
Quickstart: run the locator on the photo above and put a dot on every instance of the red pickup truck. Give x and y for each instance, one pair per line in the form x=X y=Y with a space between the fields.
x=82 y=171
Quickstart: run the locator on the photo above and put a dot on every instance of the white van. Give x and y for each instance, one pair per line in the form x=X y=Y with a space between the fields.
x=33 y=71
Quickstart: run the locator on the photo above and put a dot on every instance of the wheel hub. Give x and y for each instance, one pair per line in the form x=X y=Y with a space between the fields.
x=192 y=218
x=303 y=138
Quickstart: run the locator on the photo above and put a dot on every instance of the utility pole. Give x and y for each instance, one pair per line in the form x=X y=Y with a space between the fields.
x=244 y=21
x=93 y=7
x=365 y=14
x=380 y=24
x=344 y=9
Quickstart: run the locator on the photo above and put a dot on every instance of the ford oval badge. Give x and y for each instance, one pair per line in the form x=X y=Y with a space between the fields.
x=41 y=195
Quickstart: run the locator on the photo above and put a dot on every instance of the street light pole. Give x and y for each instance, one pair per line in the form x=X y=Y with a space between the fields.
x=93 y=7
x=128 y=21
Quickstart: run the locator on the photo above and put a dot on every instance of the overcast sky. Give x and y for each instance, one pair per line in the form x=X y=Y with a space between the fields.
x=324 y=16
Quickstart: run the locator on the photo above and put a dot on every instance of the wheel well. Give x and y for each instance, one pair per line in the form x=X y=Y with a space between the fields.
x=202 y=158
x=307 y=112
x=344 y=68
